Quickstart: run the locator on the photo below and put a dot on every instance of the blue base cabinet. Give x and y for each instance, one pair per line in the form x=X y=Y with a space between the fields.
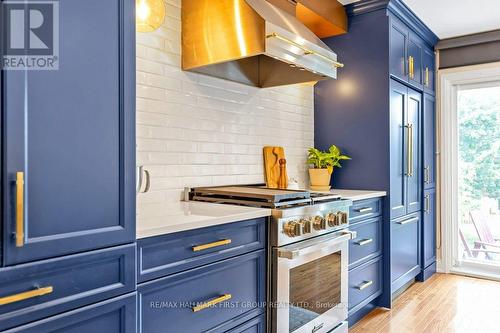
x=67 y=144
x=376 y=112
x=365 y=257
x=203 y=284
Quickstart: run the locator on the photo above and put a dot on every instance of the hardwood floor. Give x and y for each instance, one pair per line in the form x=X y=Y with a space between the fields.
x=444 y=303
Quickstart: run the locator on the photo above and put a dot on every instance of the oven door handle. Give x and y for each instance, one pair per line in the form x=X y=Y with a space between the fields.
x=296 y=250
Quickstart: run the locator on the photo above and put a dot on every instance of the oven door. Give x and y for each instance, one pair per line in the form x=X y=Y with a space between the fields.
x=310 y=284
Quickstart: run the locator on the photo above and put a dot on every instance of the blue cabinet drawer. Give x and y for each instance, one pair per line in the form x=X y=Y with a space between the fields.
x=117 y=315
x=365 y=283
x=256 y=325
x=44 y=288
x=164 y=255
x=236 y=286
x=365 y=209
x=368 y=243
x=405 y=250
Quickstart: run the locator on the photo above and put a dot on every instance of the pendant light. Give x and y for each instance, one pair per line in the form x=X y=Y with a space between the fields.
x=150 y=14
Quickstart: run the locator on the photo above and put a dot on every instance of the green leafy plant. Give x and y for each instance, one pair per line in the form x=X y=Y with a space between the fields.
x=326 y=159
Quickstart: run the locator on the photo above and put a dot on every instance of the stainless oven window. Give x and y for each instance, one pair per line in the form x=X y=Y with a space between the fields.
x=315 y=288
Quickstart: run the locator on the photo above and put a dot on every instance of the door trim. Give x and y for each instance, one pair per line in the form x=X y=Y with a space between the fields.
x=450 y=81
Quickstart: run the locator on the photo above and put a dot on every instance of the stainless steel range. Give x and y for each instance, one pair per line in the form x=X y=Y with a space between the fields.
x=308 y=254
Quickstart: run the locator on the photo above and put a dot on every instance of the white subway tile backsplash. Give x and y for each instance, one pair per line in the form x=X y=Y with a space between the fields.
x=196 y=130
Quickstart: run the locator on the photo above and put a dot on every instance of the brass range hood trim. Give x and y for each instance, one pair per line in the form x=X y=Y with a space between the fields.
x=232 y=39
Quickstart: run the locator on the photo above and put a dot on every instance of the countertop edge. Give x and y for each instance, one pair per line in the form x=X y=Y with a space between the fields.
x=209 y=222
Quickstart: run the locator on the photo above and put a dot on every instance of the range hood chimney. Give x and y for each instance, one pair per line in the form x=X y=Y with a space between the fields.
x=252 y=42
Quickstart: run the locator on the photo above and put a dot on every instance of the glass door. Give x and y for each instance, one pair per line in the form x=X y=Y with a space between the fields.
x=477 y=248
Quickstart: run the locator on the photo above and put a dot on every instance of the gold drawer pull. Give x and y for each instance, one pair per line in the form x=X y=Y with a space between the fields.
x=414 y=219
x=364 y=242
x=26 y=295
x=20 y=209
x=365 y=210
x=211 y=245
x=364 y=285
x=211 y=303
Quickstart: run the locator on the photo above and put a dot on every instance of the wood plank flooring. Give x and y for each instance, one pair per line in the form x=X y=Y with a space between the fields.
x=443 y=304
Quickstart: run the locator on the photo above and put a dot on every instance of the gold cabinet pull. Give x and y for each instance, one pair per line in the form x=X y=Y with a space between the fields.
x=306 y=50
x=19 y=209
x=427 y=204
x=414 y=219
x=364 y=285
x=364 y=241
x=427 y=177
x=364 y=210
x=411 y=67
x=426 y=76
x=26 y=295
x=211 y=245
x=212 y=302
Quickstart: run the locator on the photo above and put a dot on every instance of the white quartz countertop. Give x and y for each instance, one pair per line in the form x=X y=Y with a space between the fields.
x=356 y=195
x=194 y=215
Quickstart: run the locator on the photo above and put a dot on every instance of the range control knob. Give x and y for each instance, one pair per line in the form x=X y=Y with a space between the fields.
x=292 y=229
x=319 y=223
x=332 y=219
x=306 y=226
x=343 y=217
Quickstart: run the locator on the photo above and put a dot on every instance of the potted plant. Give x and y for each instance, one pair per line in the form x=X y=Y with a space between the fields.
x=323 y=163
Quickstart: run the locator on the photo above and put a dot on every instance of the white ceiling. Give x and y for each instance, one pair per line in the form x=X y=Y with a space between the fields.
x=452 y=18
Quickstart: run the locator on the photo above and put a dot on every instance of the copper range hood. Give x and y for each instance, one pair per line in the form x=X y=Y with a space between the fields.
x=252 y=42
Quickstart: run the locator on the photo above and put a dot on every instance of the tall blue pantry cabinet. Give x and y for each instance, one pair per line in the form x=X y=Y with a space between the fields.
x=381 y=112
x=68 y=179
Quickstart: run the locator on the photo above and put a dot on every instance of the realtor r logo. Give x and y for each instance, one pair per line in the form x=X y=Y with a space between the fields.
x=30 y=38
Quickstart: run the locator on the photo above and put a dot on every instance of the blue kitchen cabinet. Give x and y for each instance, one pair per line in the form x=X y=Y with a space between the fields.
x=236 y=287
x=429 y=141
x=368 y=111
x=117 y=315
x=405 y=148
x=256 y=325
x=405 y=250
x=69 y=139
x=398 y=48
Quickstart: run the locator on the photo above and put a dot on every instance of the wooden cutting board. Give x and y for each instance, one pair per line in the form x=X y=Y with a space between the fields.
x=272 y=156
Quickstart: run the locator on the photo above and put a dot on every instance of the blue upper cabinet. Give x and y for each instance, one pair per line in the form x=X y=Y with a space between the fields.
x=398 y=49
x=428 y=70
x=69 y=139
x=415 y=48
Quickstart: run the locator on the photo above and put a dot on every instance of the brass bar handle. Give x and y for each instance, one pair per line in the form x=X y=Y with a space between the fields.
x=415 y=219
x=364 y=285
x=427 y=177
x=26 y=295
x=410 y=151
x=411 y=67
x=426 y=76
x=364 y=210
x=211 y=303
x=306 y=50
x=19 y=209
x=427 y=204
x=364 y=242
x=211 y=245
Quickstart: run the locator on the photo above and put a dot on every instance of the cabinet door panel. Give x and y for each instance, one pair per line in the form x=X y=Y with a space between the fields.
x=413 y=202
x=429 y=141
x=397 y=144
x=415 y=52
x=397 y=49
x=117 y=315
x=405 y=262
x=429 y=228
x=71 y=131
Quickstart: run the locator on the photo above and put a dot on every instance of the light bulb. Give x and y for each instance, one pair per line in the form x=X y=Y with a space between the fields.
x=143 y=11
x=150 y=14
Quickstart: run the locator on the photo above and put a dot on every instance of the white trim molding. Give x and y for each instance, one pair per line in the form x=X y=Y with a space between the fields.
x=450 y=81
